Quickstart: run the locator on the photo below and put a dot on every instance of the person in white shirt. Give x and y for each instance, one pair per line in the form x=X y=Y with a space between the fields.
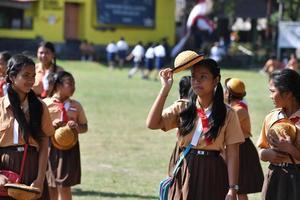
x=216 y=52
x=137 y=54
x=160 y=54
x=149 y=59
x=111 y=51
x=122 y=51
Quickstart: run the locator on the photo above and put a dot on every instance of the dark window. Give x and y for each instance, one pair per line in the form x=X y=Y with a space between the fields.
x=13 y=18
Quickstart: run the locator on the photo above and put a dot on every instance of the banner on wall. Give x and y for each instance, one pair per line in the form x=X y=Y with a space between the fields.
x=289 y=35
x=126 y=12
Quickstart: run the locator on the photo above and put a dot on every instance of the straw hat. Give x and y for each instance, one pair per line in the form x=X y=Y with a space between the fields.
x=236 y=87
x=185 y=60
x=64 y=138
x=22 y=192
x=280 y=127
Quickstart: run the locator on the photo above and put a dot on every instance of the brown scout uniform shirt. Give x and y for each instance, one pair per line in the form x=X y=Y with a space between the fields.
x=7 y=124
x=244 y=119
x=39 y=74
x=230 y=133
x=75 y=111
x=269 y=120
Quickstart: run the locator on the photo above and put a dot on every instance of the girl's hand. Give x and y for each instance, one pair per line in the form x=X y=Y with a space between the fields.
x=231 y=195
x=57 y=123
x=274 y=156
x=284 y=144
x=72 y=124
x=38 y=184
x=166 y=78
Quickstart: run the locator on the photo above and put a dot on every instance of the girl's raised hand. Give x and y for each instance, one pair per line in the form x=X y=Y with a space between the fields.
x=166 y=78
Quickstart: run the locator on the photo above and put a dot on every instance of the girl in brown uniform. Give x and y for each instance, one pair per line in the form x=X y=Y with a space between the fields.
x=24 y=119
x=64 y=168
x=46 y=66
x=204 y=175
x=282 y=180
x=251 y=175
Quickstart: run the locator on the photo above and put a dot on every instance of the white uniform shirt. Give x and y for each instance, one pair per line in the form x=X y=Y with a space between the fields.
x=122 y=45
x=138 y=53
x=111 y=48
x=159 y=51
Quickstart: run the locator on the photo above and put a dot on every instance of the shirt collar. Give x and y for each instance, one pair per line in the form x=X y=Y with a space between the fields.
x=24 y=105
x=6 y=101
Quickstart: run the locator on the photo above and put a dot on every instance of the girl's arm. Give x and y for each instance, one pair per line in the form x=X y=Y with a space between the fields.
x=289 y=148
x=154 y=119
x=43 y=155
x=272 y=156
x=232 y=160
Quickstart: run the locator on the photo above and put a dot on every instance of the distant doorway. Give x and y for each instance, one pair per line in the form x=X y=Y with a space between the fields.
x=72 y=21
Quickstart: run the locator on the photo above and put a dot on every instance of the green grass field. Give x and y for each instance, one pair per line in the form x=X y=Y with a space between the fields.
x=121 y=158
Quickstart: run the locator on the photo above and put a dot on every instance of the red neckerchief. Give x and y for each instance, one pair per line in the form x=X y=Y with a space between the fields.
x=62 y=108
x=243 y=105
x=295 y=119
x=205 y=124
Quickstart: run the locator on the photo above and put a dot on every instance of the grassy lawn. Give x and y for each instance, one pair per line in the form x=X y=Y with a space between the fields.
x=121 y=158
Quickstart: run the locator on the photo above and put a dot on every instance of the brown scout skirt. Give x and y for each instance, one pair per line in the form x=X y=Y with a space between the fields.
x=201 y=177
x=251 y=175
x=64 y=168
x=11 y=160
x=282 y=183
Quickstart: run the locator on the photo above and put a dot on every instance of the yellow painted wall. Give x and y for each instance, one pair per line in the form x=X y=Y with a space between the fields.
x=53 y=30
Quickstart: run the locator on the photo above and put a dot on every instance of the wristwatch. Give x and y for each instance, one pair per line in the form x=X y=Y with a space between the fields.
x=234 y=187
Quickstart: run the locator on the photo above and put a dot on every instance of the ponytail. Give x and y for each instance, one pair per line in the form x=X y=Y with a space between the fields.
x=218 y=112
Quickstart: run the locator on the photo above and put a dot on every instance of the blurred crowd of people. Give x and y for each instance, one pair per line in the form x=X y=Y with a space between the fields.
x=146 y=59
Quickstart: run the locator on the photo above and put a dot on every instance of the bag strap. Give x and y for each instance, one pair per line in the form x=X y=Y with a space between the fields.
x=196 y=136
x=23 y=162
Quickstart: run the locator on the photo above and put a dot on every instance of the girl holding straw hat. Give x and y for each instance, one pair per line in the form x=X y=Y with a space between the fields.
x=206 y=125
x=25 y=127
x=251 y=175
x=282 y=150
x=68 y=117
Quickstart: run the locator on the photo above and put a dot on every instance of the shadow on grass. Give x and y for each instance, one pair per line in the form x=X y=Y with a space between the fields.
x=79 y=192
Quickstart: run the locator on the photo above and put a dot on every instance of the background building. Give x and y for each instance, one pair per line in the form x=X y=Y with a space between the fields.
x=67 y=22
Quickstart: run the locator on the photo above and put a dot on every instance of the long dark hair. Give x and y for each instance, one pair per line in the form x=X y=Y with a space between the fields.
x=287 y=80
x=15 y=65
x=5 y=55
x=58 y=79
x=188 y=116
x=184 y=86
x=50 y=46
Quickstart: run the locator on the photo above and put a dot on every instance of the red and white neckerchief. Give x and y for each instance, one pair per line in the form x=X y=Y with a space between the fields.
x=282 y=115
x=63 y=107
x=203 y=115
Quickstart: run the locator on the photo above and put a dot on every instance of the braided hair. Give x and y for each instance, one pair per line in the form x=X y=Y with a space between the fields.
x=15 y=65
